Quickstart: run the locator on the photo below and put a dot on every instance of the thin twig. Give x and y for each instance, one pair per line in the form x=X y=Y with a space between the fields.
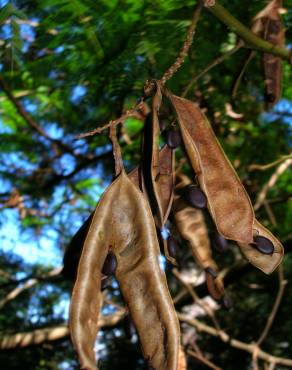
x=271 y=318
x=213 y=64
x=186 y=46
x=264 y=167
x=196 y=299
x=226 y=338
x=272 y=181
x=204 y=360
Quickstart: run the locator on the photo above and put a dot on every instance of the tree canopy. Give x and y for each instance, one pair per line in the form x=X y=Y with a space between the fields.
x=70 y=66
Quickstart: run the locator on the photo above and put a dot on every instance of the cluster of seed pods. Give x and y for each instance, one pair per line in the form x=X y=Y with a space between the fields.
x=122 y=236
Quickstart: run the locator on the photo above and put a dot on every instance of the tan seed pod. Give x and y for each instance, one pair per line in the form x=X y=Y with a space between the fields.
x=228 y=202
x=123 y=222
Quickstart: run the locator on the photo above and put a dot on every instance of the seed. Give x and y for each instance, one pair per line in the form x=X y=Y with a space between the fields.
x=212 y=272
x=270 y=98
x=172 y=246
x=173 y=139
x=110 y=264
x=263 y=245
x=227 y=302
x=162 y=125
x=220 y=243
x=195 y=197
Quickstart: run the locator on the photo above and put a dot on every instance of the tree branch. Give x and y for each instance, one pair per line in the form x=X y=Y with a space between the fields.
x=39 y=336
x=226 y=338
x=249 y=37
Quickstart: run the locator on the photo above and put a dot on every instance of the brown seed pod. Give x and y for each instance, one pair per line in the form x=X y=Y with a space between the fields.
x=123 y=221
x=228 y=202
x=159 y=171
x=268 y=25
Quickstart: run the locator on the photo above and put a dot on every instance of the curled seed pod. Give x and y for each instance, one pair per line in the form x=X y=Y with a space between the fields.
x=110 y=264
x=195 y=197
x=228 y=202
x=191 y=225
x=159 y=171
x=173 y=139
x=124 y=221
x=263 y=245
x=172 y=246
x=215 y=285
x=220 y=243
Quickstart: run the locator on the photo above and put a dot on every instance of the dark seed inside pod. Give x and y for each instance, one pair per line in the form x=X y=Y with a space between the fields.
x=270 y=97
x=212 y=272
x=129 y=327
x=263 y=245
x=227 y=302
x=220 y=243
x=172 y=246
x=195 y=197
x=173 y=138
x=110 y=264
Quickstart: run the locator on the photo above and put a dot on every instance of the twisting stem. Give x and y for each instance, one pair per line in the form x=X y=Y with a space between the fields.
x=186 y=46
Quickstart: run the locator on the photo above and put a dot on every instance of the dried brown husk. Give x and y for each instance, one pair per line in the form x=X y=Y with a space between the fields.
x=159 y=171
x=123 y=222
x=268 y=25
x=74 y=248
x=228 y=202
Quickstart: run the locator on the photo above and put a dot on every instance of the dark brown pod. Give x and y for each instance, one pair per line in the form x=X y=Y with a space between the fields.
x=110 y=264
x=220 y=243
x=195 y=197
x=172 y=246
x=173 y=139
x=263 y=245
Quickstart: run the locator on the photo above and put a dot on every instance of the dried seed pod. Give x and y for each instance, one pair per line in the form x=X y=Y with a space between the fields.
x=123 y=220
x=159 y=171
x=227 y=302
x=173 y=139
x=190 y=224
x=74 y=248
x=195 y=197
x=214 y=284
x=268 y=25
x=228 y=202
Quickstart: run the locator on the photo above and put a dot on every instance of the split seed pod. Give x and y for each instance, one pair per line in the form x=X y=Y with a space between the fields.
x=228 y=202
x=123 y=221
x=268 y=25
x=160 y=169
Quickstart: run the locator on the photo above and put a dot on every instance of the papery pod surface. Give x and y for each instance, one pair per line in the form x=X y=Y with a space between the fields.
x=123 y=222
x=228 y=202
x=74 y=248
x=269 y=26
